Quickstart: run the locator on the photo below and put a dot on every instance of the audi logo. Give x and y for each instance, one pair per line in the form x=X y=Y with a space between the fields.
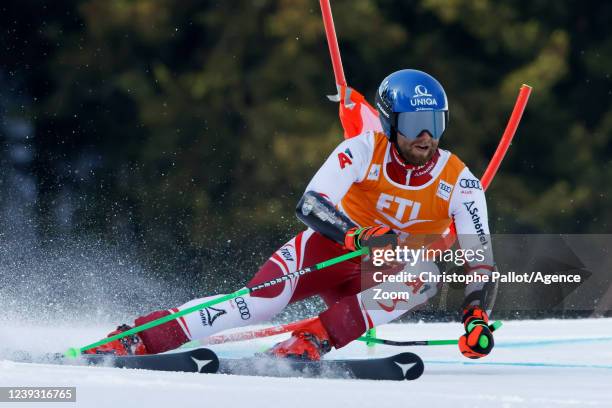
x=470 y=183
x=245 y=314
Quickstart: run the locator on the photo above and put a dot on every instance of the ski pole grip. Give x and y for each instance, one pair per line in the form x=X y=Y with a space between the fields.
x=495 y=325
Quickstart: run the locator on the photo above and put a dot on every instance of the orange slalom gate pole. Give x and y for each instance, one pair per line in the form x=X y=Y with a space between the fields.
x=506 y=140
x=332 y=42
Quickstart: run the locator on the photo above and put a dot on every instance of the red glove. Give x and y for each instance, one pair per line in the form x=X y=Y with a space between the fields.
x=377 y=236
x=477 y=341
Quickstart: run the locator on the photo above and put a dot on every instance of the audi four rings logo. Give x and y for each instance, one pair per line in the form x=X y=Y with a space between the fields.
x=420 y=90
x=470 y=183
x=245 y=314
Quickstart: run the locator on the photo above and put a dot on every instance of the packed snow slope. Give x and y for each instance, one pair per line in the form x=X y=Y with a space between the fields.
x=546 y=363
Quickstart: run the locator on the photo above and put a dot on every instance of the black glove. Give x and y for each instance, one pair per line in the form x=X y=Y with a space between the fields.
x=477 y=341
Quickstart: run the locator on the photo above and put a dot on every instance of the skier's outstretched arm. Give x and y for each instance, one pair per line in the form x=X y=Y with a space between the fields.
x=469 y=211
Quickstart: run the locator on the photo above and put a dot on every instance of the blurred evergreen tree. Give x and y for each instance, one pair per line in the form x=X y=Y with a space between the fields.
x=184 y=126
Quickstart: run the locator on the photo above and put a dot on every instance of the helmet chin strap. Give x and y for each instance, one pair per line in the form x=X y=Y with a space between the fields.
x=393 y=135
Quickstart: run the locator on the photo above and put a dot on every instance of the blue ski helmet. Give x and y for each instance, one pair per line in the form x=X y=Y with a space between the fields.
x=409 y=102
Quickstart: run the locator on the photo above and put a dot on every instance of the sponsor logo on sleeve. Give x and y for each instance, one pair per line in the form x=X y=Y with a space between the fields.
x=344 y=158
x=470 y=183
x=473 y=211
x=374 y=172
x=444 y=190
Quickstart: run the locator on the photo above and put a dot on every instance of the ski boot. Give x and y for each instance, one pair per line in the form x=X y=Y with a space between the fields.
x=307 y=343
x=126 y=346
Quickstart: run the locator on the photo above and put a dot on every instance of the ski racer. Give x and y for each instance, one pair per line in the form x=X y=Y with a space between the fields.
x=384 y=185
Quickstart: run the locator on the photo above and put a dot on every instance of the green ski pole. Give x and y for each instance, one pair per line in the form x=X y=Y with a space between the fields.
x=369 y=340
x=74 y=351
x=370 y=334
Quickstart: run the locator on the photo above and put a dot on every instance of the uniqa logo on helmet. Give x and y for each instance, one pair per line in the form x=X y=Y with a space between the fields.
x=422 y=97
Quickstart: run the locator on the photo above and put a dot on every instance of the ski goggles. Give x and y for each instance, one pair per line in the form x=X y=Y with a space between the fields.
x=411 y=124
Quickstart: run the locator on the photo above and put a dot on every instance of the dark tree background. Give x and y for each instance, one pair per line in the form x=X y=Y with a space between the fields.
x=189 y=130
